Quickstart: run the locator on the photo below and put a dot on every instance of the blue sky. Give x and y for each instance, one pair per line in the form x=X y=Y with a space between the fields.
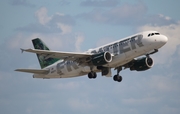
x=67 y=25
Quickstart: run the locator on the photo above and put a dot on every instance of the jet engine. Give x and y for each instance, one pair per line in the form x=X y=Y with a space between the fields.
x=101 y=58
x=142 y=64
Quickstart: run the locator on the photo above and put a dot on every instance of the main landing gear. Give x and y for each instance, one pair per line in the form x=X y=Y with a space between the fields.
x=92 y=75
x=117 y=77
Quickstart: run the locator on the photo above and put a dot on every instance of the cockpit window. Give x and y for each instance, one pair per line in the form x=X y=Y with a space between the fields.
x=157 y=34
x=151 y=34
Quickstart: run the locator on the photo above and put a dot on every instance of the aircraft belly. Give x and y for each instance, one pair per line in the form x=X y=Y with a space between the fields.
x=45 y=76
x=73 y=70
x=75 y=73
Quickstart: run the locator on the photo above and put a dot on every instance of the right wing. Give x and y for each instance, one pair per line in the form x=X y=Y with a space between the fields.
x=35 y=71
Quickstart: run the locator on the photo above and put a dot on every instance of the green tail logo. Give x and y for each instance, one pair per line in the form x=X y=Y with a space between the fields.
x=38 y=44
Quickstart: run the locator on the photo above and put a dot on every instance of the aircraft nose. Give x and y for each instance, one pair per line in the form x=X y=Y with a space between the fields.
x=159 y=41
x=164 y=39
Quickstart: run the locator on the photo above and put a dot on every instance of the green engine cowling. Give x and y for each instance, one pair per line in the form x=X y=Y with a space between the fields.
x=101 y=58
x=142 y=64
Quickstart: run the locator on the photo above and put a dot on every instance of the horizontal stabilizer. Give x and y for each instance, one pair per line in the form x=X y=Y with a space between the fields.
x=35 y=71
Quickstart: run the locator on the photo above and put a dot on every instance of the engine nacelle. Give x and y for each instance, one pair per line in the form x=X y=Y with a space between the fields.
x=101 y=58
x=142 y=64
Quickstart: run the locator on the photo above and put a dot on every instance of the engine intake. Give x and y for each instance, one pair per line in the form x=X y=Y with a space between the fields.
x=101 y=58
x=142 y=64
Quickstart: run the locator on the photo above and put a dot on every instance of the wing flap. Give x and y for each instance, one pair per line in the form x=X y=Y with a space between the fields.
x=57 y=54
x=35 y=71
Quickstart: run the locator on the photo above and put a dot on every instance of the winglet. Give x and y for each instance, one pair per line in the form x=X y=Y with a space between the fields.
x=22 y=50
x=27 y=50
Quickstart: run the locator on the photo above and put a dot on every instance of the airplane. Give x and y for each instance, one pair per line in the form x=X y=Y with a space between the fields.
x=132 y=52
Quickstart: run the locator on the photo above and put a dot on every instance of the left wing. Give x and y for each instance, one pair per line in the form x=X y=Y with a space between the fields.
x=36 y=71
x=57 y=54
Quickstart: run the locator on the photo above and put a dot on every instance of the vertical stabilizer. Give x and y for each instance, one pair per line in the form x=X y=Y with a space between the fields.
x=38 y=44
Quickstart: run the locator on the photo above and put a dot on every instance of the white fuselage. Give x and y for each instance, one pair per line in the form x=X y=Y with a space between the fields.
x=123 y=51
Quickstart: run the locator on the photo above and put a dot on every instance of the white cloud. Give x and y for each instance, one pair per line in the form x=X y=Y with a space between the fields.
x=29 y=110
x=4 y=75
x=104 y=41
x=125 y=14
x=24 y=41
x=100 y=3
x=78 y=40
x=42 y=16
x=55 y=41
x=64 y=2
x=21 y=3
x=163 y=83
x=81 y=105
x=172 y=32
x=55 y=31
x=19 y=41
x=67 y=86
x=141 y=101
x=165 y=17
x=65 y=28
x=56 y=23
x=169 y=110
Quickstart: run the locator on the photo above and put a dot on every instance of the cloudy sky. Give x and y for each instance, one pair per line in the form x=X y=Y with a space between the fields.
x=78 y=25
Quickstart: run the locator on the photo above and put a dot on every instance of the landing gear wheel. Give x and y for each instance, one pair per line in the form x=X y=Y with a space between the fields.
x=95 y=75
x=117 y=78
x=92 y=75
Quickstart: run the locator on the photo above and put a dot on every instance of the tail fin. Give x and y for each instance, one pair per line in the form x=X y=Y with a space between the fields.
x=38 y=44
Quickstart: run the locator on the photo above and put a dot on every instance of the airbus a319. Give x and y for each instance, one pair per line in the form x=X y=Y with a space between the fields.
x=132 y=52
